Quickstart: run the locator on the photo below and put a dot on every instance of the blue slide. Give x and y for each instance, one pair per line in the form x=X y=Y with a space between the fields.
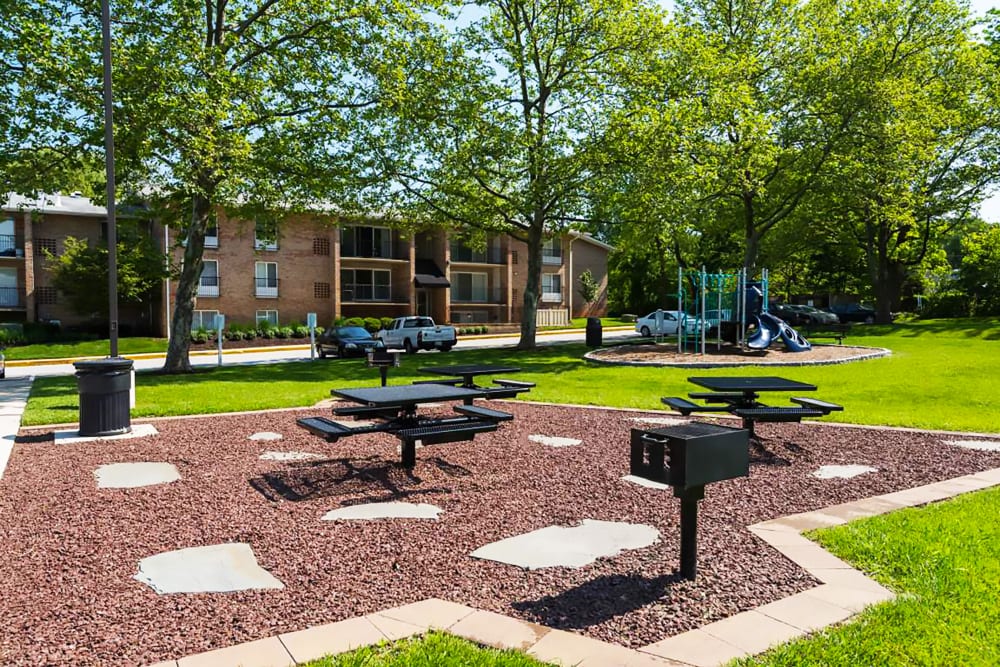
x=770 y=327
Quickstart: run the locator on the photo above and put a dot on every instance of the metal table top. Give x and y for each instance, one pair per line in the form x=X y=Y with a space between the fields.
x=748 y=384
x=406 y=394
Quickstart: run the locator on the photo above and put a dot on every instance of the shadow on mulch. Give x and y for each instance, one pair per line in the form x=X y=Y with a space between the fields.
x=598 y=600
x=35 y=438
x=319 y=479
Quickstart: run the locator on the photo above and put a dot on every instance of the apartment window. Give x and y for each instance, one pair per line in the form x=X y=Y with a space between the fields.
x=46 y=295
x=551 y=287
x=265 y=236
x=266 y=279
x=552 y=251
x=208 y=284
x=41 y=245
x=212 y=237
x=321 y=290
x=321 y=246
x=203 y=319
x=365 y=285
x=269 y=316
x=469 y=287
x=366 y=242
x=489 y=254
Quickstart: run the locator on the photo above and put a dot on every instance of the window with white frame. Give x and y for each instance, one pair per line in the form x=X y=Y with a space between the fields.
x=265 y=236
x=552 y=251
x=365 y=285
x=208 y=284
x=366 y=242
x=203 y=319
x=212 y=236
x=266 y=279
x=269 y=316
x=469 y=287
x=551 y=287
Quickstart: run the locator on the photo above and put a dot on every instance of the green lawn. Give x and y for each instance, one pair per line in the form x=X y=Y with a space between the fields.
x=942 y=561
x=90 y=348
x=434 y=649
x=941 y=375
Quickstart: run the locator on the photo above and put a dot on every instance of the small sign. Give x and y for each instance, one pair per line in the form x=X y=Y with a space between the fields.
x=311 y=320
x=220 y=321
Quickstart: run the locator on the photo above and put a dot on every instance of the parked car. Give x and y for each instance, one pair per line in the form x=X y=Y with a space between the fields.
x=810 y=315
x=787 y=312
x=646 y=326
x=344 y=341
x=853 y=312
x=417 y=333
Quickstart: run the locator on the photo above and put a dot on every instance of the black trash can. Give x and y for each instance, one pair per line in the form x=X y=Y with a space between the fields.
x=594 y=332
x=104 y=386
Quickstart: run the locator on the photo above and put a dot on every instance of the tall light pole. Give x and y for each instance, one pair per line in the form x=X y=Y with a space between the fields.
x=109 y=166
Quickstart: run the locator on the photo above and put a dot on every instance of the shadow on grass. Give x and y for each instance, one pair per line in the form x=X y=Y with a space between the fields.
x=598 y=600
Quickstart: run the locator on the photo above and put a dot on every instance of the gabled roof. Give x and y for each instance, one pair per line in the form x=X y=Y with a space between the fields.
x=590 y=239
x=72 y=204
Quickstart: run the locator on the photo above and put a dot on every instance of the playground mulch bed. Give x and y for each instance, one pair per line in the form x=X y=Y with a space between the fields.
x=666 y=354
x=67 y=593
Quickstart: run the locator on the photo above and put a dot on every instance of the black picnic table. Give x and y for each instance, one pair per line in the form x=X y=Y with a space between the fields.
x=394 y=410
x=469 y=372
x=739 y=395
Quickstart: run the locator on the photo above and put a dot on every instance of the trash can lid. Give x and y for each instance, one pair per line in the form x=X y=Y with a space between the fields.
x=103 y=365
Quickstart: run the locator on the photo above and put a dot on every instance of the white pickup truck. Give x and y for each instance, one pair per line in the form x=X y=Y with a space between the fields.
x=417 y=333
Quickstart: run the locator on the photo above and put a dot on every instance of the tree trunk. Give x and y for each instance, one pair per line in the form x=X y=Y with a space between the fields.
x=177 y=360
x=751 y=235
x=529 y=314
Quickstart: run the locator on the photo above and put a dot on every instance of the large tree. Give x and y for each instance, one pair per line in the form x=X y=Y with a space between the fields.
x=923 y=142
x=246 y=105
x=502 y=129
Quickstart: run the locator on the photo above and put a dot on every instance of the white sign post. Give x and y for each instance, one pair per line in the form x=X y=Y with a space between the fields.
x=220 y=324
x=311 y=323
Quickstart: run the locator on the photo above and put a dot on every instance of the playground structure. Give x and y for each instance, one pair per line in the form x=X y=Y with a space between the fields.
x=729 y=303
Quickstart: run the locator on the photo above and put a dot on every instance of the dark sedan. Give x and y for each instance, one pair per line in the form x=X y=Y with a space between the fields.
x=344 y=342
x=853 y=312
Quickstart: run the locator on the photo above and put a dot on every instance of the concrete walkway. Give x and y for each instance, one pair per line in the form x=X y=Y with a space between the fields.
x=13 y=399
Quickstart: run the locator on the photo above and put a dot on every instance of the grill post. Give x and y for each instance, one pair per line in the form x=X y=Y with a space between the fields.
x=689 y=529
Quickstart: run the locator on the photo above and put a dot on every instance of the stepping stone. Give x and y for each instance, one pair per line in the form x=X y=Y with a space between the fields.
x=133 y=475
x=266 y=435
x=288 y=456
x=981 y=445
x=663 y=421
x=562 y=546
x=842 y=472
x=218 y=568
x=642 y=481
x=70 y=437
x=390 y=510
x=554 y=441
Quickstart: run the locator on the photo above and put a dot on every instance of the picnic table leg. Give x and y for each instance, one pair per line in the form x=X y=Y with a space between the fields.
x=748 y=425
x=409 y=453
x=384 y=372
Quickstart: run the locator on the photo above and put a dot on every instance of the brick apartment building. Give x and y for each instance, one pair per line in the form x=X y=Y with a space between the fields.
x=312 y=267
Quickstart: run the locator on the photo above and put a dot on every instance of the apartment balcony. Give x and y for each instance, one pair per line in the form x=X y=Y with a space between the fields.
x=265 y=244
x=208 y=286
x=371 y=294
x=9 y=246
x=461 y=254
x=11 y=298
x=488 y=296
x=266 y=288
x=212 y=241
x=550 y=258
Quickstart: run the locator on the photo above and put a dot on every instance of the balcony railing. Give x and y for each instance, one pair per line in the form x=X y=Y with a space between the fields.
x=10 y=297
x=493 y=295
x=551 y=297
x=551 y=257
x=8 y=246
x=265 y=244
x=208 y=286
x=266 y=288
x=366 y=293
x=212 y=241
x=488 y=256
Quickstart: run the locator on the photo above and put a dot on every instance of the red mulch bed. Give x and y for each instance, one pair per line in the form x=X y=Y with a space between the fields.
x=67 y=595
